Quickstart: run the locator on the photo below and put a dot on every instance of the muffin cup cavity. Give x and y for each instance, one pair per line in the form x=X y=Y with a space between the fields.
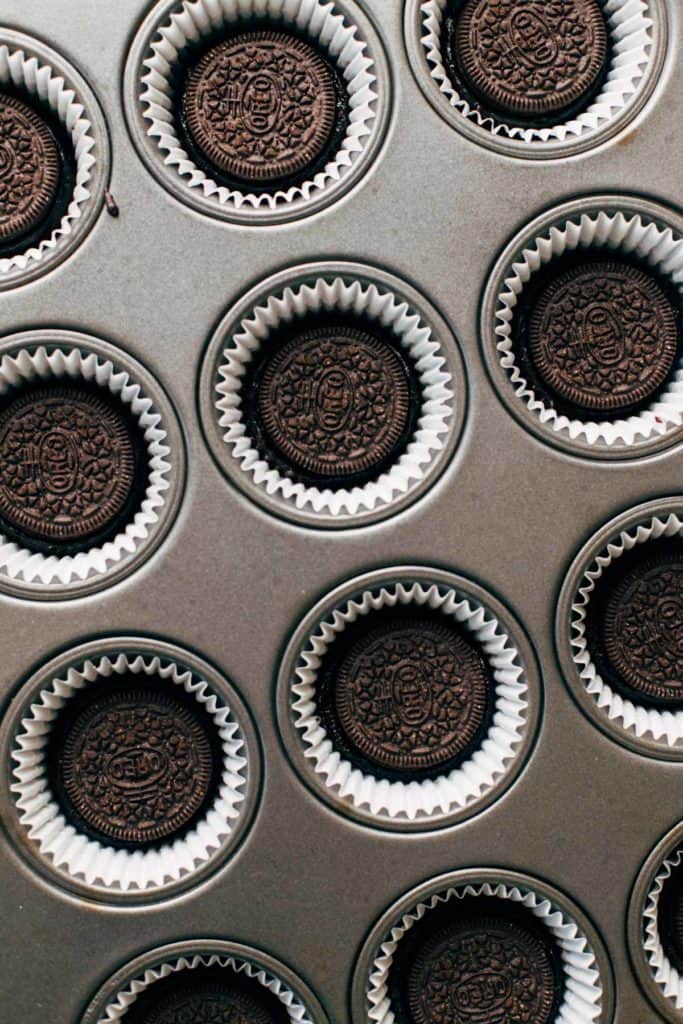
x=46 y=78
x=88 y=863
x=636 y=43
x=665 y=974
x=118 y=995
x=609 y=227
x=587 y=994
x=64 y=359
x=378 y=798
x=657 y=973
x=657 y=731
x=355 y=293
x=343 y=34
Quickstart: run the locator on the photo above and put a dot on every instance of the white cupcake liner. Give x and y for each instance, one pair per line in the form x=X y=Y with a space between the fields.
x=89 y=862
x=118 y=1008
x=436 y=423
x=630 y=25
x=419 y=803
x=665 y=975
x=663 y=729
x=583 y=998
x=38 y=574
x=28 y=65
x=615 y=229
x=333 y=24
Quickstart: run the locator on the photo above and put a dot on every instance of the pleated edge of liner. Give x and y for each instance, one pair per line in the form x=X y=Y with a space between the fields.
x=324 y=23
x=665 y=727
x=465 y=785
x=335 y=294
x=629 y=26
x=583 y=991
x=86 y=860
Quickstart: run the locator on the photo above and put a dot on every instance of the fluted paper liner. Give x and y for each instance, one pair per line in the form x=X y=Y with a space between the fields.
x=463 y=786
x=583 y=993
x=664 y=973
x=28 y=365
x=617 y=231
x=629 y=29
x=664 y=727
x=323 y=22
x=21 y=68
x=90 y=861
x=418 y=344
x=126 y=997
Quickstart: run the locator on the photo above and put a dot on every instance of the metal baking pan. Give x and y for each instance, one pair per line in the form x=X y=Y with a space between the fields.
x=229 y=577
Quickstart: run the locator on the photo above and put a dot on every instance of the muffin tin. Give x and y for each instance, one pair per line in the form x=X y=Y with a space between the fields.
x=421 y=229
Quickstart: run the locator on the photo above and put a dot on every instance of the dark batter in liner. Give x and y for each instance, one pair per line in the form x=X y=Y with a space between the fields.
x=670 y=917
x=486 y=109
x=190 y=58
x=124 y=684
x=470 y=907
x=216 y=979
x=325 y=692
x=140 y=474
x=520 y=330
x=595 y=617
x=254 y=375
x=67 y=177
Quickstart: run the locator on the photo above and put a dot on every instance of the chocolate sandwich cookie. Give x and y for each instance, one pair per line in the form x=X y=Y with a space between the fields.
x=670 y=917
x=530 y=59
x=677 y=915
x=67 y=464
x=206 y=1002
x=603 y=336
x=334 y=402
x=261 y=106
x=643 y=628
x=408 y=694
x=29 y=168
x=482 y=970
x=208 y=995
x=135 y=765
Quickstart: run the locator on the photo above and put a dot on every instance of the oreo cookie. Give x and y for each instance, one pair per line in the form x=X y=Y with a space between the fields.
x=597 y=337
x=207 y=995
x=262 y=109
x=29 y=168
x=71 y=466
x=635 y=624
x=603 y=336
x=405 y=695
x=477 y=960
x=527 y=61
x=670 y=917
x=134 y=763
x=331 y=404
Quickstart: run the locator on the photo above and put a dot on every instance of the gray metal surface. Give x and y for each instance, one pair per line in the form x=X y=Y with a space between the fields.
x=231 y=582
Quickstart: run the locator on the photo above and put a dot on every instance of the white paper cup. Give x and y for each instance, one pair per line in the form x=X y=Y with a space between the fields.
x=610 y=225
x=33 y=67
x=88 y=866
x=457 y=793
x=45 y=356
x=637 y=38
x=588 y=986
x=340 y=28
x=649 y=730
